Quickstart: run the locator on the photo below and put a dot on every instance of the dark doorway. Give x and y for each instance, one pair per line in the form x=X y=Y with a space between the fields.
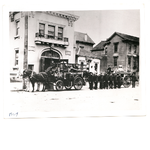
x=49 y=61
x=47 y=58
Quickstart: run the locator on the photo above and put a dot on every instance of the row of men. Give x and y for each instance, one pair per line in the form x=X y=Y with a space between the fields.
x=108 y=81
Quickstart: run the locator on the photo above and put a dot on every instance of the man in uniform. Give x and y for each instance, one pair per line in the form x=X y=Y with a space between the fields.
x=91 y=81
x=115 y=81
x=119 y=80
x=109 y=70
x=95 y=81
x=133 y=78
x=110 y=81
x=101 y=81
x=106 y=81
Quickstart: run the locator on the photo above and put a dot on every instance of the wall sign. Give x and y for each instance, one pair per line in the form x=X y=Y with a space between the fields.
x=68 y=53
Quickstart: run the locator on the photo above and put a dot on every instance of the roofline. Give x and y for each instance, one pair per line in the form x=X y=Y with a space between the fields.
x=120 y=36
x=60 y=14
x=85 y=42
x=98 y=49
x=90 y=56
x=112 y=36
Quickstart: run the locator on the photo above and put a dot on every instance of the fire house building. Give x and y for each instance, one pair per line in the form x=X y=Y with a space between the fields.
x=38 y=38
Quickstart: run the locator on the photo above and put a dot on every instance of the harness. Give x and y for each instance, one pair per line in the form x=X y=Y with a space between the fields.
x=41 y=75
x=31 y=76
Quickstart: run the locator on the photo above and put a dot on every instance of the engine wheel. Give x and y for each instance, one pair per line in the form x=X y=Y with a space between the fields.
x=69 y=86
x=127 y=82
x=59 y=85
x=78 y=83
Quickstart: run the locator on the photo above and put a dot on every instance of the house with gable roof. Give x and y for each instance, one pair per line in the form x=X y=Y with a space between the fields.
x=84 y=56
x=119 y=50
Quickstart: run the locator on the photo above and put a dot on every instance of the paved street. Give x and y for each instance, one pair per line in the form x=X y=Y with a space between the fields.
x=73 y=100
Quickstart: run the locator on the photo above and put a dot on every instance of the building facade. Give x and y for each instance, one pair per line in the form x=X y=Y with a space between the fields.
x=38 y=38
x=87 y=59
x=120 y=50
x=100 y=48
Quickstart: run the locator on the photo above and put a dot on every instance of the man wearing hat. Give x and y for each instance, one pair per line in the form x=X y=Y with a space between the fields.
x=95 y=81
x=101 y=81
x=119 y=80
x=110 y=81
x=91 y=81
x=133 y=78
x=105 y=81
x=115 y=81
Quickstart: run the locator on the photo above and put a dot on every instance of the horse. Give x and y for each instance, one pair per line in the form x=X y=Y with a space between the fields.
x=33 y=77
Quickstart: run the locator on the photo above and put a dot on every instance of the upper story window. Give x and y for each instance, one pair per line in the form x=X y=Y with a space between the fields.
x=41 y=29
x=17 y=27
x=115 y=61
x=60 y=33
x=116 y=47
x=130 y=48
x=135 y=49
x=16 y=57
x=134 y=62
x=51 y=31
x=129 y=61
x=105 y=51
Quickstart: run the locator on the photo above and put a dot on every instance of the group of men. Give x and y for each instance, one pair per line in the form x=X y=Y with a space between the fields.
x=107 y=81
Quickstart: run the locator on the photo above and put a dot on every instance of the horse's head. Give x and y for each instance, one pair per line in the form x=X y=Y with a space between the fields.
x=27 y=73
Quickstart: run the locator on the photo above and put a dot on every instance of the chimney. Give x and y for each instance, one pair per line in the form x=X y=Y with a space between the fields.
x=85 y=37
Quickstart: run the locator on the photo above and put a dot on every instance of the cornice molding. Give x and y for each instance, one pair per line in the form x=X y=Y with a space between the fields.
x=63 y=15
x=70 y=17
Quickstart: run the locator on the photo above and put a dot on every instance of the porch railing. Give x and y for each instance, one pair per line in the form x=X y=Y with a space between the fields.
x=47 y=36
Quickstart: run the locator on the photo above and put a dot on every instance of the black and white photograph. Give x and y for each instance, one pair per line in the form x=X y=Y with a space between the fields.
x=75 y=75
x=74 y=63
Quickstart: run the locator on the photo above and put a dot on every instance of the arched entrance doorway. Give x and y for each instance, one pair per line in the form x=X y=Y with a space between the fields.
x=47 y=57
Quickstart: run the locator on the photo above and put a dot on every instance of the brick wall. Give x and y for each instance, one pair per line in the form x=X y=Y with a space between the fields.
x=121 y=52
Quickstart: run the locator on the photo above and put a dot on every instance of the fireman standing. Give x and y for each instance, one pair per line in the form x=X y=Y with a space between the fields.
x=95 y=78
x=91 y=81
x=133 y=78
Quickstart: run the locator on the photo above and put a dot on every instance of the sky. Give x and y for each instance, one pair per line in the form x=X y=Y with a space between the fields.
x=101 y=24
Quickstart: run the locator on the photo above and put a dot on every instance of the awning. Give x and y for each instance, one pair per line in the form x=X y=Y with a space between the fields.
x=115 y=55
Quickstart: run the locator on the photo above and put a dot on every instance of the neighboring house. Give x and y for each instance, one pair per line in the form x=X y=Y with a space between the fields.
x=102 y=50
x=38 y=38
x=84 y=56
x=120 y=49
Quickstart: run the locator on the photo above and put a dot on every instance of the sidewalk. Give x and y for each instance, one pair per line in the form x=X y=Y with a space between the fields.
x=15 y=86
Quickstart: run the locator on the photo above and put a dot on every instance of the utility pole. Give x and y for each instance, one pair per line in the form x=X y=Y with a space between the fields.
x=25 y=63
